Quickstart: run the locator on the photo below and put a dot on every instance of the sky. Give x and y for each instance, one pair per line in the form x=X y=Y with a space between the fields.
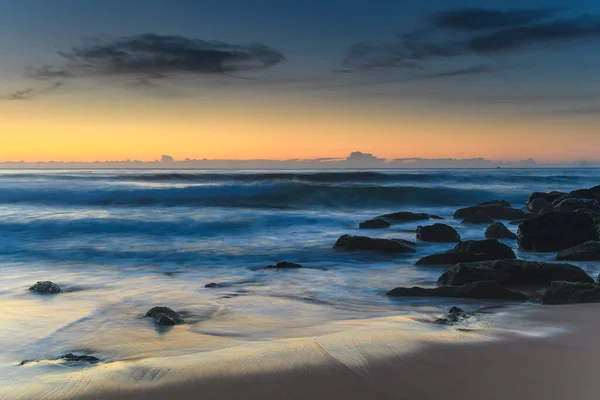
x=87 y=80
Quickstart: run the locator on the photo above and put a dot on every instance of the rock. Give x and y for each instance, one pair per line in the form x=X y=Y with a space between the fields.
x=450 y=258
x=540 y=206
x=556 y=231
x=572 y=293
x=478 y=218
x=490 y=247
x=455 y=314
x=478 y=290
x=512 y=273
x=493 y=210
x=375 y=223
x=212 y=285
x=588 y=251
x=45 y=287
x=437 y=233
x=405 y=216
x=74 y=358
x=576 y=194
x=498 y=230
x=501 y=203
x=351 y=242
x=572 y=204
x=284 y=265
x=470 y=251
x=548 y=197
x=165 y=316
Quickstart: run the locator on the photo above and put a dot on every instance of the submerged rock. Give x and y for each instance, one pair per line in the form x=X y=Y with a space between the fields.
x=572 y=293
x=512 y=273
x=498 y=230
x=213 y=285
x=284 y=265
x=405 y=216
x=455 y=314
x=450 y=258
x=478 y=290
x=70 y=357
x=351 y=242
x=45 y=287
x=588 y=251
x=556 y=231
x=375 y=223
x=437 y=233
x=165 y=316
x=480 y=217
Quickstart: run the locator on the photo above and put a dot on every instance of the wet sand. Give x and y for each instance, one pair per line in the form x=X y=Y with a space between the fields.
x=522 y=352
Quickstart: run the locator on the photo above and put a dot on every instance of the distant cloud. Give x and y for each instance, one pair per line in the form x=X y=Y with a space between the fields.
x=472 y=32
x=28 y=94
x=355 y=160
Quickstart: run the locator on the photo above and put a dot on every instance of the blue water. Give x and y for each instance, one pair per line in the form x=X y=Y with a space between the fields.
x=119 y=242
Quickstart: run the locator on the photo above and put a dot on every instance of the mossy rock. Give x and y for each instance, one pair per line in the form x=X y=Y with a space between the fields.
x=165 y=316
x=45 y=287
x=561 y=292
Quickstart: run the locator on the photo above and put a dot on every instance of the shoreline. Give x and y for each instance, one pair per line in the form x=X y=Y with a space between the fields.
x=519 y=352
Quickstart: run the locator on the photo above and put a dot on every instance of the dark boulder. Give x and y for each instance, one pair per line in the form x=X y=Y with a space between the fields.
x=455 y=314
x=470 y=251
x=406 y=216
x=45 y=287
x=498 y=230
x=512 y=273
x=437 y=233
x=575 y=204
x=213 y=285
x=490 y=247
x=478 y=290
x=547 y=197
x=556 y=231
x=572 y=293
x=576 y=194
x=375 y=223
x=165 y=316
x=495 y=211
x=351 y=242
x=480 y=217
x=501 y=203
x=540 y=206
x=588 y=251
x=284 y=265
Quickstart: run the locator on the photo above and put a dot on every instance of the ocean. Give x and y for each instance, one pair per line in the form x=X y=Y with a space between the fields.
x=119 y=242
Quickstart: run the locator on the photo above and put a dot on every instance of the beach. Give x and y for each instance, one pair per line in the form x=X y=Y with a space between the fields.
x=268 y=307
x=520 y=352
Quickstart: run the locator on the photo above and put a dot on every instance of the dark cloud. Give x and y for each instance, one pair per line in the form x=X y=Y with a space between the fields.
x=581 y=28
x=471 y=32
x=144 y=60
x=152 y=55
x=475 y=19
